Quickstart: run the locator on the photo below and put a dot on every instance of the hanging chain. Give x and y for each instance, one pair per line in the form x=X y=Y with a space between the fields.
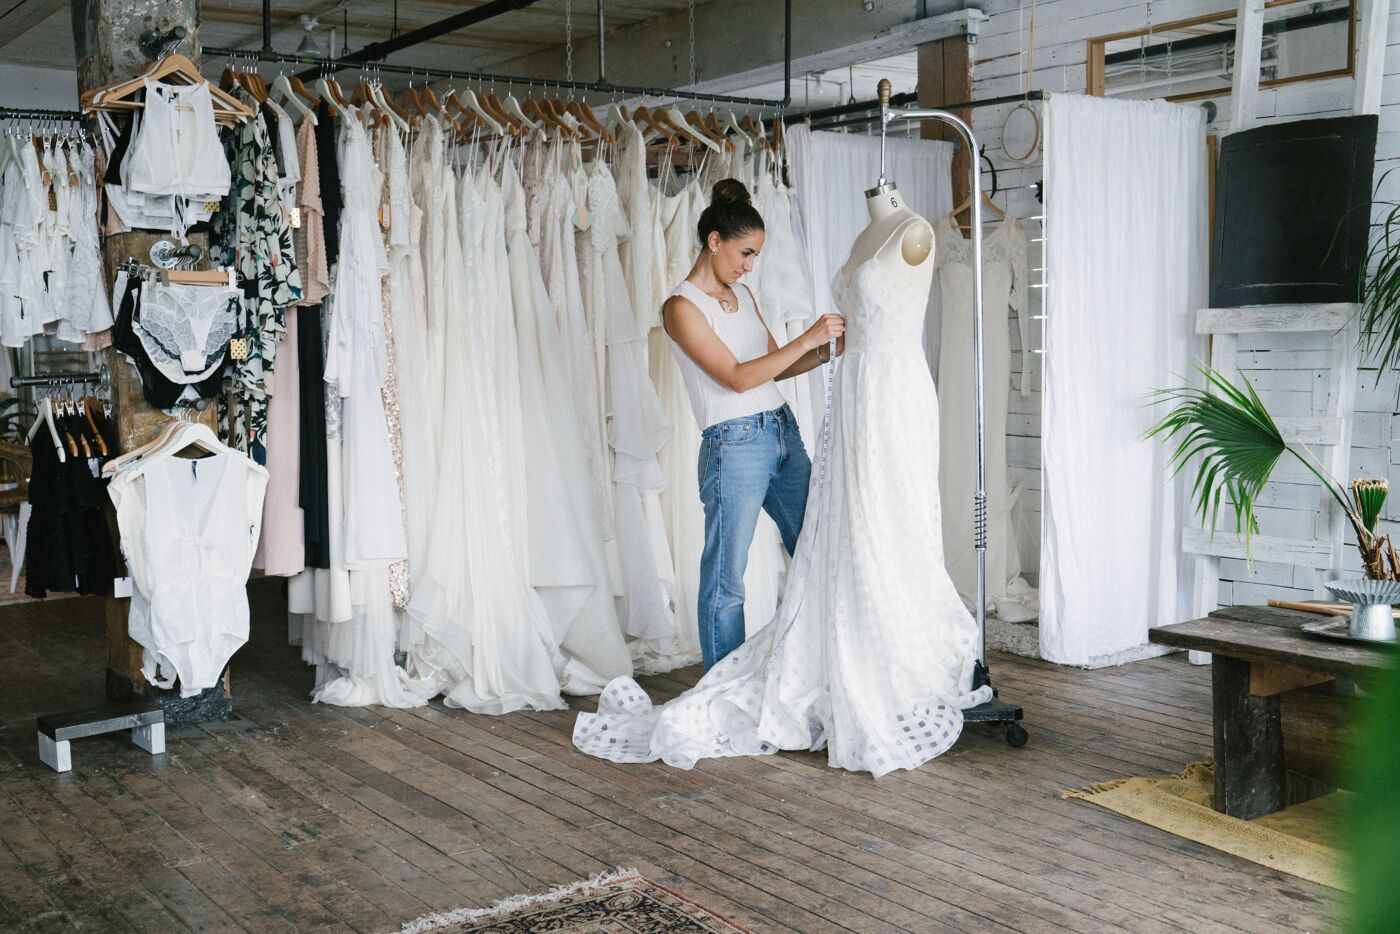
x=690 y=5
x=1146 y=39
x=569 y=39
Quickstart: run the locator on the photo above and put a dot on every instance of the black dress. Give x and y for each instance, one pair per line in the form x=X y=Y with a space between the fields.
x=69 y=546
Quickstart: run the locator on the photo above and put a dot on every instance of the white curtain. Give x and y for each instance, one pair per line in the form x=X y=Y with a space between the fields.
x=1125 y=185
x=831 y=173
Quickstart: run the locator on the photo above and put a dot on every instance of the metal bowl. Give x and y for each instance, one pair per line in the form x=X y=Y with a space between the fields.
x=1371 y=616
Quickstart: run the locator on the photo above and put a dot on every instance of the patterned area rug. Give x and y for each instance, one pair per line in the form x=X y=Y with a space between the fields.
x=622 y=902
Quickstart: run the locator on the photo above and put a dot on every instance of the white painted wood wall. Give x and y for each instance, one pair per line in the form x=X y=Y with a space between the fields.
x=1288 y=370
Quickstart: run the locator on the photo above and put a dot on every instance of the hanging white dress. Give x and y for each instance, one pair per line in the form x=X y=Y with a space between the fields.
x=636 y=432
x=871 y=653
x=782 y=285
x=1004 y=272
x=565 y=565
x=356 y=366
x=487 y=646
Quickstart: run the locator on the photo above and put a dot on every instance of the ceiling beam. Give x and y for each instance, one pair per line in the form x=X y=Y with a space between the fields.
x=17 y=17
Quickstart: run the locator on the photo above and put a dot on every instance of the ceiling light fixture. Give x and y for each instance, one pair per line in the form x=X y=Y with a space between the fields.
x=310 y=45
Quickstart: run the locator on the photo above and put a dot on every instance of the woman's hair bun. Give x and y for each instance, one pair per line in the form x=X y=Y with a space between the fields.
x=730 y=191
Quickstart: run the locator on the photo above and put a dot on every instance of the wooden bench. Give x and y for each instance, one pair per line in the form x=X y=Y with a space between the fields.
x=57 y=731
x=1260 y=654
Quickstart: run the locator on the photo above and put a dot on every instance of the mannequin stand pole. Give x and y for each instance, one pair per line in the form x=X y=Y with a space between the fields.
x=994 y=710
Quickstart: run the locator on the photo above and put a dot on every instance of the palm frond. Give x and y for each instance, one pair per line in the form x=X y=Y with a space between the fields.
x=1231 y=437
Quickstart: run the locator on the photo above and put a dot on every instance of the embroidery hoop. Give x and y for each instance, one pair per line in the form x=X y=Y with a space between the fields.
x=1008 y=130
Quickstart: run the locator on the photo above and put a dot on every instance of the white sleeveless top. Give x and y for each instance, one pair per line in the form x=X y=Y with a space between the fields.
x=177 y=151
x=744 y=334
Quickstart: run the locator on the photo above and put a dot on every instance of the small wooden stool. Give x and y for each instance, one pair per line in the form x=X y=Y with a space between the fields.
x=56 y=730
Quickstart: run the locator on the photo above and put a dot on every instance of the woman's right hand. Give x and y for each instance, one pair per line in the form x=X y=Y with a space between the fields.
x=827 y=329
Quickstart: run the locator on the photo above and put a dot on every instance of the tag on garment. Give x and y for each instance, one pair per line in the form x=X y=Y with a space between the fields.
x=212 y=207
x=294 y=218
x=121 y=587
x=53 y=200
x=238 y=348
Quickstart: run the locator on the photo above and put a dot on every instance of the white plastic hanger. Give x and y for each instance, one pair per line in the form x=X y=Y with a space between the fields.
x=468 y=97
x=512 y=107
x=732 y=122
x=673 y=113
x=376 y=94
x=45 y=417
x=282 y=91
x=323 y=91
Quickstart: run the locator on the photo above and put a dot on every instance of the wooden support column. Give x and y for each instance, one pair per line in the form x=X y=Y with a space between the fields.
x=107 y=37
x=945 y=77
x=1250 y=780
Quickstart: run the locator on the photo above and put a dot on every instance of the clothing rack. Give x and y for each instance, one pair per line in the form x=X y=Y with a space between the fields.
x=54 y=379
x=869 y=111
x=37 y=113
x=994 y=711
x=478 y=77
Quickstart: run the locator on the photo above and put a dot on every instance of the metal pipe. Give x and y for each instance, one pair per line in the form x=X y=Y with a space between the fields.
x=377 y=50
x=907 y=97
x=7 y=113
x=787 y=53
x=602 y=48
x=267 y=25
x=54 y=379
x=887 y=115
x=486 y=78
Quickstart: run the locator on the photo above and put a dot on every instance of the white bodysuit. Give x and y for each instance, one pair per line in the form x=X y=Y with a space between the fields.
x=189 y=528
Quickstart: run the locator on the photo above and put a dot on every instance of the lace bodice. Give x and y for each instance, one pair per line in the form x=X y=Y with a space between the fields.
x=881 y=315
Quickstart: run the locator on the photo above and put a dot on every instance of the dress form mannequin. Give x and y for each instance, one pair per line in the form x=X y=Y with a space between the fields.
x=899 y=240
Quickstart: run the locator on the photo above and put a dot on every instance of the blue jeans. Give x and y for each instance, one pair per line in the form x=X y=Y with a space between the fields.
x=746 y=464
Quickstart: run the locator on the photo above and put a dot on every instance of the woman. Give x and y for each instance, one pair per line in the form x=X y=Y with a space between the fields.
x=751 y=456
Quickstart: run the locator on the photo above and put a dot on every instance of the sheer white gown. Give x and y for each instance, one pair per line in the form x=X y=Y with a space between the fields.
x=871 y=652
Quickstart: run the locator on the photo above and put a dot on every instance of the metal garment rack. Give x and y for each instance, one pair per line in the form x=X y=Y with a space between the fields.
x=480 y=77
x=37 y=113
x=994 y=710
x=54 y=379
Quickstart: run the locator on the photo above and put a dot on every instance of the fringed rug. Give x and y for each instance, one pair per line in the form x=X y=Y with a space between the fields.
x=621 y=902
x=1296 y=840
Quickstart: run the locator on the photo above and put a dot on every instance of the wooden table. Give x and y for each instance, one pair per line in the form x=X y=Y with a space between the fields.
x=1259 y=654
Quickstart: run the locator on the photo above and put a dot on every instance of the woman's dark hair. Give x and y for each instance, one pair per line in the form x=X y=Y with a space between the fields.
x=731 y=212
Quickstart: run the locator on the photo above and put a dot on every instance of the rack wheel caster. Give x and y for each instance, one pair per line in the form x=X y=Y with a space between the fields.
x=1016 y=735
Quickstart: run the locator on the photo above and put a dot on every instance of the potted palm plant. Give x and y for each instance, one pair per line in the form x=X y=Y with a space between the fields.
x=1232 y=438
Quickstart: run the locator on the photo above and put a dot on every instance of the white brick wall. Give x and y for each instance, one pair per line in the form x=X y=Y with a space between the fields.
x=1289 y=371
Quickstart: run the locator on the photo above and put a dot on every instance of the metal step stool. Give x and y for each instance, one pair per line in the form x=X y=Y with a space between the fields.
x=56 y=730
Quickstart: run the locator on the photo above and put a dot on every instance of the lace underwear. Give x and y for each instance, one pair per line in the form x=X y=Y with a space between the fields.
x=186 y=328
x=164 y=381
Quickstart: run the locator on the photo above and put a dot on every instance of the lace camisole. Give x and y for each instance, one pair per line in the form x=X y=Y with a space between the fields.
x=744 y=333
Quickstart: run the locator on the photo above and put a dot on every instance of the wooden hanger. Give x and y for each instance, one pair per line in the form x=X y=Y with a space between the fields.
x=987 y=203
x=89 y=402
x=330 y=92
x=219 y=277
x=173 y=69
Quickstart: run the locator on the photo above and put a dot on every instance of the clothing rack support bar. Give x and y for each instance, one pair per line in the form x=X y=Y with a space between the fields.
x=870 y=109
x=378 y=50
x=602 y=48
x=486 y=78
x=18 y=113
x=888 y=115
x=54 y=379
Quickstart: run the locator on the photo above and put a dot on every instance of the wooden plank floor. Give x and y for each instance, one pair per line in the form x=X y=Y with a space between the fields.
x=301 y=817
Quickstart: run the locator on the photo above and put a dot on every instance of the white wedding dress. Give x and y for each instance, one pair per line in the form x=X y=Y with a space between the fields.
x=871 y=652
